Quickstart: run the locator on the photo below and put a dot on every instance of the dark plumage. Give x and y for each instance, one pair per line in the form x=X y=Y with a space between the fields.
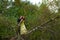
x=18 y=21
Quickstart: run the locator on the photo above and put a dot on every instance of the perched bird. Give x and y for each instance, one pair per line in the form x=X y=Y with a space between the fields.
x=22 y=29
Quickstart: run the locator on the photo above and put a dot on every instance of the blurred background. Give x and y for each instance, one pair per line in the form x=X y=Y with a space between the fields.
x=44 y=13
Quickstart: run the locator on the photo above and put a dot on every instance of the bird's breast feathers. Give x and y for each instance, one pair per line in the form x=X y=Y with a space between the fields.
x=23 y=29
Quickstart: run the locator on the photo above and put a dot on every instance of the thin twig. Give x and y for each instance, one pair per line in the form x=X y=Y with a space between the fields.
x=41 y=26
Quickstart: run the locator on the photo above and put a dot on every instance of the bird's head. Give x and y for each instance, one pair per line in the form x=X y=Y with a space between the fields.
x=22 y=18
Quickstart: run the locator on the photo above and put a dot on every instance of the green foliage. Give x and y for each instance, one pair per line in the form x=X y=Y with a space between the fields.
x=6 y=26
x=34 y=17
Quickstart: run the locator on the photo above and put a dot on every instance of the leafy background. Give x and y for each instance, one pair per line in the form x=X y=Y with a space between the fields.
x=34 y=17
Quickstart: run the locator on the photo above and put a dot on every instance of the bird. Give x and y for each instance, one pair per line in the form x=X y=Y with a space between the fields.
x=23 y=29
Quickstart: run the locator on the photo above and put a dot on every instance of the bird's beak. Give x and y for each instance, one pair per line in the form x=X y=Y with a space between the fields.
x=21 y=20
